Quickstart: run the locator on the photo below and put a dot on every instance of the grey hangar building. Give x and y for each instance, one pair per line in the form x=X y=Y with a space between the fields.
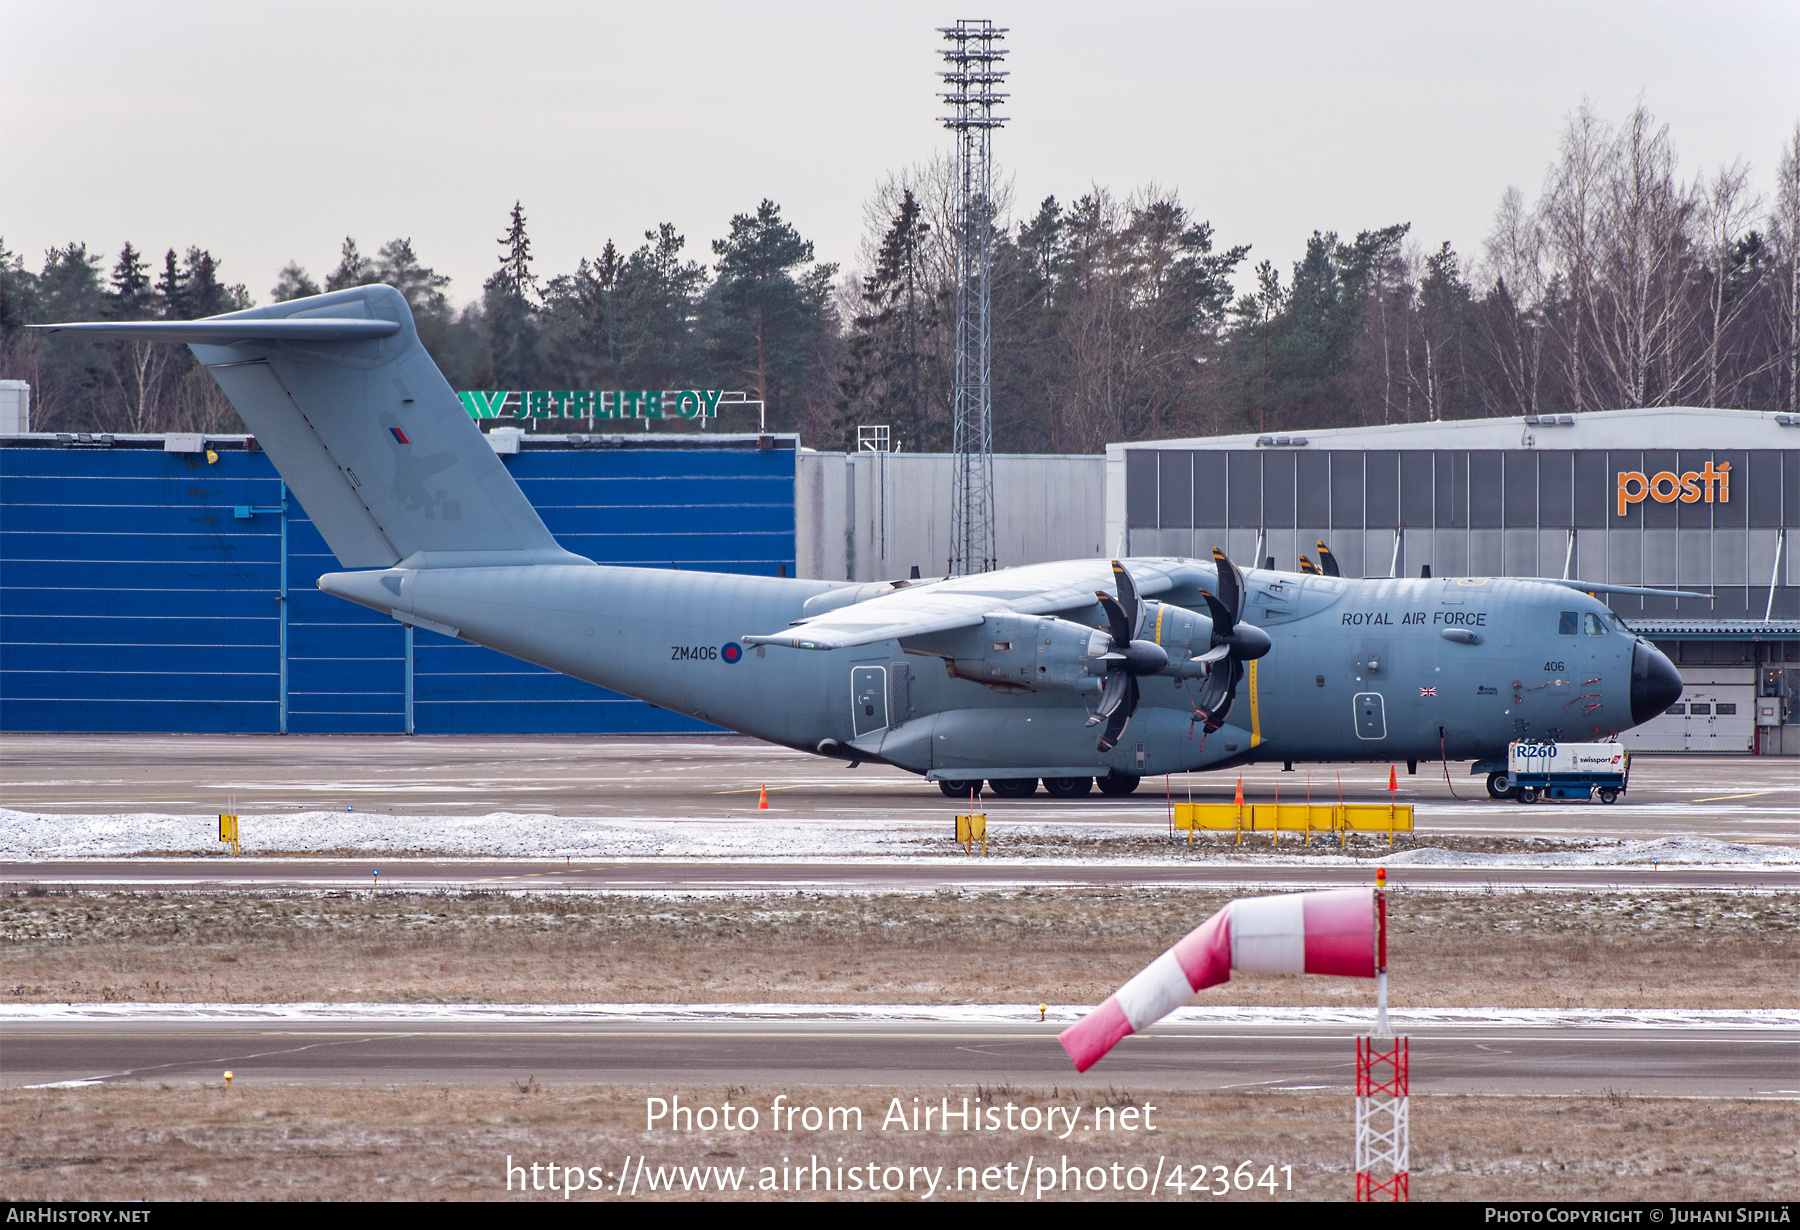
x=1673 y=498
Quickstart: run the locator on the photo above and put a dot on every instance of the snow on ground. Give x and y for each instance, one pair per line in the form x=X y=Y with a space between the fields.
x=35 y=836
x=960 y=1014
x=1684 y=851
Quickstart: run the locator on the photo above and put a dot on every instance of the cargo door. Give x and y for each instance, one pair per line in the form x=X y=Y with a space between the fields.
x=868 y=699
x=1371 y=715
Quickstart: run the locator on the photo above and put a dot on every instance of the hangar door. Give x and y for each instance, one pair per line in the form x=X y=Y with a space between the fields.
x=1716 y=713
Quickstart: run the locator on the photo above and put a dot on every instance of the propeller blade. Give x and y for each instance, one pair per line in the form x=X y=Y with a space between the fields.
x=1119 y=686
x=1115 y=725
x=1119 y=623
x=1128 y=599
x=1308 y=567
x=1216 y=698
x=1231 y=584
x=1327 y=560
x=1221 y=617
x=1215 y=653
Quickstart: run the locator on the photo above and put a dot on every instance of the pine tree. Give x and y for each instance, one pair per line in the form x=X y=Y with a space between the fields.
x=509 y=359
x=885 y=369
x=132 y=297
x=139 y=368
x=18 y=295
x=205 y=295
x=292 y=282
x=171 y=290
x=422 y=287
x=515 y=277
x=764 y=322
x=354 y=269
x=658 y=293
x=70 y=284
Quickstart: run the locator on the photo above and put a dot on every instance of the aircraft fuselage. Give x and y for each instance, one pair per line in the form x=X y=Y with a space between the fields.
x=1375 y=669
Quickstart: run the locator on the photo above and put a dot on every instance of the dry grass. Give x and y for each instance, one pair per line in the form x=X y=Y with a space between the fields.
x=414 y=1142
x=1029 y=840
x=1600 y=950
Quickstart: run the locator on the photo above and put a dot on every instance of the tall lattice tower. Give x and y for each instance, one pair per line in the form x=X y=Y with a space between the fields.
x=974 y=54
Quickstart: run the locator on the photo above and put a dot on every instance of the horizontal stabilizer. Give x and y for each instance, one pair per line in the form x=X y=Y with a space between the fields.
x=364 y=429
x=218 y=332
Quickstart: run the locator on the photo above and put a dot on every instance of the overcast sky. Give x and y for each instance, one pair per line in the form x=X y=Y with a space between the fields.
x=269 y=131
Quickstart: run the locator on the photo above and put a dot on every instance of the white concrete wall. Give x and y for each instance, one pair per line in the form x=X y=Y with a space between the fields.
x=15 y=407
x=864 y=517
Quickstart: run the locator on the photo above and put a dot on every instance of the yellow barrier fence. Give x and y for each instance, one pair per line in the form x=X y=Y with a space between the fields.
x=971 y=829
x=1308 y=818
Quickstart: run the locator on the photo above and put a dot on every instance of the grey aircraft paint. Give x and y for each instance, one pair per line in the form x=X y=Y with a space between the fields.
x=1004 y=675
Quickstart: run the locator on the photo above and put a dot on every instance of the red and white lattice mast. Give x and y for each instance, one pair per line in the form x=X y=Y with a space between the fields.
x=1383 y=1139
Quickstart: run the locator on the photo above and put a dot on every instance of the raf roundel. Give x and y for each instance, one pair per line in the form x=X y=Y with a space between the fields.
x=732 y=651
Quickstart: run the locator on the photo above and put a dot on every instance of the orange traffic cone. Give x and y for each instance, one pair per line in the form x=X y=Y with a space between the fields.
x=1393 y=779
x=1240 y=793
x=762 y=800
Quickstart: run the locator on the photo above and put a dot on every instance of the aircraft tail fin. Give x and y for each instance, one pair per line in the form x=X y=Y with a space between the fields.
x=364 y=429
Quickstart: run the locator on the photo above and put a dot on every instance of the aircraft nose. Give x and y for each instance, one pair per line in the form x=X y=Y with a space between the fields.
x=1655 y=683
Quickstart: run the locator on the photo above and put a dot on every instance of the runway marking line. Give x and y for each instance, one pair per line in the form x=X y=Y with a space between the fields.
x=1720 y=798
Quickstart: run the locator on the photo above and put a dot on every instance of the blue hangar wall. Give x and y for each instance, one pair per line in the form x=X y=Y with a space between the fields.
x=136 y=595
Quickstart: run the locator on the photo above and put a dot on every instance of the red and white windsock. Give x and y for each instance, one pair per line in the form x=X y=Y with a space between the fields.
x=1297 y=933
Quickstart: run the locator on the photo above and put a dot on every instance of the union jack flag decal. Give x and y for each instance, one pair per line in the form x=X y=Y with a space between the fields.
x=1427 y=691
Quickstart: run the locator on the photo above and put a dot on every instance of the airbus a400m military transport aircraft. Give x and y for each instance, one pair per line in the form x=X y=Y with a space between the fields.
x=1068 y=673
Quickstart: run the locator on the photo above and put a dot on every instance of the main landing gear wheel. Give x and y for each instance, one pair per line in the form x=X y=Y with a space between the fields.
x=958 y=790
x=1608 y=795
x=1013 y=787
x=1118 y=783
x=1499 y=786
x=1526 y=794
x=1068 y=787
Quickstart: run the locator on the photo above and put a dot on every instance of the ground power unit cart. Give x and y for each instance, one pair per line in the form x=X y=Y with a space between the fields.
x=1567 y=770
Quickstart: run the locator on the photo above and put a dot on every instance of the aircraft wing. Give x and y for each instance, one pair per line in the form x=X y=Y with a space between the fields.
x=963 y=602
x=1596 y=587
x=883 y=619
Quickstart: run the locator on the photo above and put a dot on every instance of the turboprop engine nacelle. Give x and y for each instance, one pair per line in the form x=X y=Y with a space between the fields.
x=1039 y=653
x=1183 y=634
x=1023 y=653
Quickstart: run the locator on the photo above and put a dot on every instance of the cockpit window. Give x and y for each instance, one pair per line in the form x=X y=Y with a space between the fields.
x=1593 y=625
x=1568 y=623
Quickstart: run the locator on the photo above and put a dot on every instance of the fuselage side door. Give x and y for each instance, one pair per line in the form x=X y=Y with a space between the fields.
x=1371 y=715
x=868 y=699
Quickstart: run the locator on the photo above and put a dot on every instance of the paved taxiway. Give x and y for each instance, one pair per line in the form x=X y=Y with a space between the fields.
x=706 y=779
x=1478 y=1059
x=872 y=875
